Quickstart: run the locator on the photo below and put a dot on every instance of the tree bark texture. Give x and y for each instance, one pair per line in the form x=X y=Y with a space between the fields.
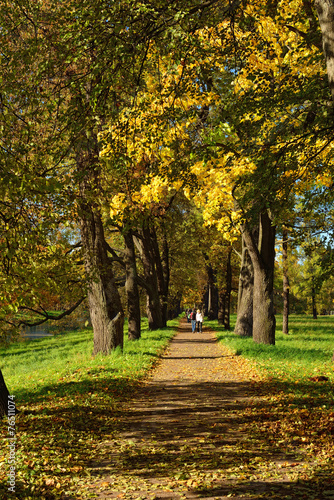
x=153 y=304
x=131 y=287
x=105 y=305
x=244 y=323
x=263 y=259
x=161 y=262
x=325 y=9
x=286 y=284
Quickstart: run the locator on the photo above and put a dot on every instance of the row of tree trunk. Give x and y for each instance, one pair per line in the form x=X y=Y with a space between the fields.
x=105 y=305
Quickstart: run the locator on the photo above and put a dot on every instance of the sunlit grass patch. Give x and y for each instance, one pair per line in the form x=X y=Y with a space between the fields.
x=30 y=366
x=305 y=352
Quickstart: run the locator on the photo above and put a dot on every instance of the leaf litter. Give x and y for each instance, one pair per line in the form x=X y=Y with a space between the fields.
x=205 y=423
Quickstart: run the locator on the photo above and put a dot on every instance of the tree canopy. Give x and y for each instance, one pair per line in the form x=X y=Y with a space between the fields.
x=157 y=123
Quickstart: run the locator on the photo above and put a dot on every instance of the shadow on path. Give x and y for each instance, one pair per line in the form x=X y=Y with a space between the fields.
x=185 y=434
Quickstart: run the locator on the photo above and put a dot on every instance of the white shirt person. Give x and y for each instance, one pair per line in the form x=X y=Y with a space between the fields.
x=199 y=321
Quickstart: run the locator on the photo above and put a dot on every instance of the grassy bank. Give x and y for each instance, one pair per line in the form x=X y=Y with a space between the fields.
x=69 y=403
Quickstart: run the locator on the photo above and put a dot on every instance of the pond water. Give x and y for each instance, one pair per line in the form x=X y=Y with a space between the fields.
x=36 y=332
x=44 y=330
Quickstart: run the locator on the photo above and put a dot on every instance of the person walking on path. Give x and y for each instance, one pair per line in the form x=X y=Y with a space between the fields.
x=199 y=321
x=182 y=419
x=193 y=320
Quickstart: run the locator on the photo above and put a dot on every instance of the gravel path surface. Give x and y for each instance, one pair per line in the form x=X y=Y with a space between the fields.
x=180 y=431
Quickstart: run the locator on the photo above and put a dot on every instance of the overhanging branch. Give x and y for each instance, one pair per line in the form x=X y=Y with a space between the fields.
x=48 y=316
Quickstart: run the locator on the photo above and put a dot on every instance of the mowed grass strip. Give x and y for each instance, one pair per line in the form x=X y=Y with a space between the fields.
x=69 y=402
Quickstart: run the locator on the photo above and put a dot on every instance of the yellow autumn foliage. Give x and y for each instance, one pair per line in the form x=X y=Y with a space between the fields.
x=155 y=132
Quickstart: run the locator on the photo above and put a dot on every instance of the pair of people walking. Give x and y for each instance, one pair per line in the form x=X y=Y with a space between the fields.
x=196 y=321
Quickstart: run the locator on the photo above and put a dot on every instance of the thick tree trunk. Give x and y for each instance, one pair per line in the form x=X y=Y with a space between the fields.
x=153 y=305
x=131 y=287
x=153 y=309
x=263 y=259
x=325 y=9
x=244 y=323
x=3 y=396
x=264 y=322
x=286 y=285
x=105 y=306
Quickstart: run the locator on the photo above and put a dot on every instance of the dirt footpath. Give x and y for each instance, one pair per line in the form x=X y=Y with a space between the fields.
x=184 y=435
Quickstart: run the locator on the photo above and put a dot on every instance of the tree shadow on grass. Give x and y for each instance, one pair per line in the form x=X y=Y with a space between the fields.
x=34 y=346
x=202 y=440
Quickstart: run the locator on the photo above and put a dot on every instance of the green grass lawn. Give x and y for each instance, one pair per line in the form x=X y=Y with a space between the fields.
x=307 y=350
x=294 y=412
x=62 y=363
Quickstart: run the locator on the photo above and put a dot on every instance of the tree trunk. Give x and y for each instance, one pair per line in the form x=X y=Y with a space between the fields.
x=314 y=303
x=166 y=276
x=264 y=322
x=244 y=323
x=153 y=305
x=105 y=306
x=263 y=259
x=161 y=264
x=131 y=287
x=228 y=291
x=224 y=295
x=325 y=9
x=4 y=393
x=221 y=306
x=286 y=285
x=212 y=293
